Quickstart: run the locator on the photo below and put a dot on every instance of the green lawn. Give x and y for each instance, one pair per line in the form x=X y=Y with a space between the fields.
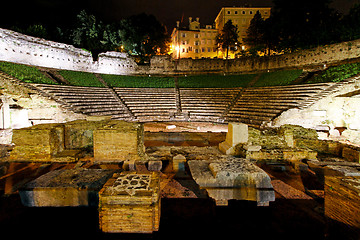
x=25 y=73
x=81 y=78
x=277 y=78
x=138 y=82
x=337 y=73
x=215 y=81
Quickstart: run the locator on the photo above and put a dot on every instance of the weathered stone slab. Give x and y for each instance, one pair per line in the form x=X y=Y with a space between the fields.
x=65 y=188
x=130 y=203
x=233 y=178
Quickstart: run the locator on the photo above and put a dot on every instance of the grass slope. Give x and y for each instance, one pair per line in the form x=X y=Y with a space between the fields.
x=138 y=82
x=25 y=73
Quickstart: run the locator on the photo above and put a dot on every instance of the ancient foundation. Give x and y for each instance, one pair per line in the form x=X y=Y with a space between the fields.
x=130 y=203
x=108 y=141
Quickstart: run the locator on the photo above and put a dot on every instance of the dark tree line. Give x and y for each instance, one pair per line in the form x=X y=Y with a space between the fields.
x=140 y=35
x=301 y=24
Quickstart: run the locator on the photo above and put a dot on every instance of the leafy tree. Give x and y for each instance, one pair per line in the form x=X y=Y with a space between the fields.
x=37 y=30
x=255 y=33
x=94 y=35
x=227 y=37
x=143 y=35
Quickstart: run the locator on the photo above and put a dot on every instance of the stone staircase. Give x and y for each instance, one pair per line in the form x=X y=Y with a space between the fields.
x=92 y=101
x=149 y=104
x=253 y=106
x=258 y=105
x=206 y=104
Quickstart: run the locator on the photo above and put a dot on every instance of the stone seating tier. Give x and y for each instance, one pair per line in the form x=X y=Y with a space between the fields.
x=253 y=106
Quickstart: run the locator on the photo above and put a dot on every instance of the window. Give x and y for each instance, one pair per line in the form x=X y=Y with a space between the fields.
x=197 y=43
x=209 y=49
x=183 y=35
x=196 y=35
x=190 y=49
x=228 y=12
x=236 y=12
x=251 y=12
x=196 y=50
x=202 y=49
x=183 y=50
x=243 y=12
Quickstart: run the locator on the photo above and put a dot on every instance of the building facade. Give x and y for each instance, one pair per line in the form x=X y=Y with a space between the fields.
x=195 y=41
x=240 y=17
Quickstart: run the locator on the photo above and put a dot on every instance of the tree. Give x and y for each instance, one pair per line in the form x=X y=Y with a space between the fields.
x=302 y=23
x=350 y=24
x=255 y=33
x=143 y=35
x=228 y=37
x=94 y=35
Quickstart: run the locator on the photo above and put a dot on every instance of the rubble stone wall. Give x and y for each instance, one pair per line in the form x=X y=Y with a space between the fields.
x=20 y=48
x=339 y=110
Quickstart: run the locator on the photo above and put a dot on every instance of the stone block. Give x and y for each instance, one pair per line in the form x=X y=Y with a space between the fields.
x=65 y=188
x=130 y=203
x=80 y=133
x=119 y=141
x=37 y=143
x=233 y=178
x=237 y=133
x=252 y=148
x=155 y=165
x=179 y=163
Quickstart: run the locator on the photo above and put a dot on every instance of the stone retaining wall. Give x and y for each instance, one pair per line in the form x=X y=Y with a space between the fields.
x=20 y=48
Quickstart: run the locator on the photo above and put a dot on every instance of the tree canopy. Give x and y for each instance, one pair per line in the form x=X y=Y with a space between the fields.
x=228 y=37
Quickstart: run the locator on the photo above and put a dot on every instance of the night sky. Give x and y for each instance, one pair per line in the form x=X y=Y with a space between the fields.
x=57 y=12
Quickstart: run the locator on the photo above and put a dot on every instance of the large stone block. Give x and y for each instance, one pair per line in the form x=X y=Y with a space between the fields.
x=65 y=188
x=119 y=141
x=130 y=203
x=237 y=133
x=37 y=143
x=233 y=178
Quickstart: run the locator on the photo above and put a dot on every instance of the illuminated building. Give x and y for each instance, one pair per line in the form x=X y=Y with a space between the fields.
x=194 y=41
